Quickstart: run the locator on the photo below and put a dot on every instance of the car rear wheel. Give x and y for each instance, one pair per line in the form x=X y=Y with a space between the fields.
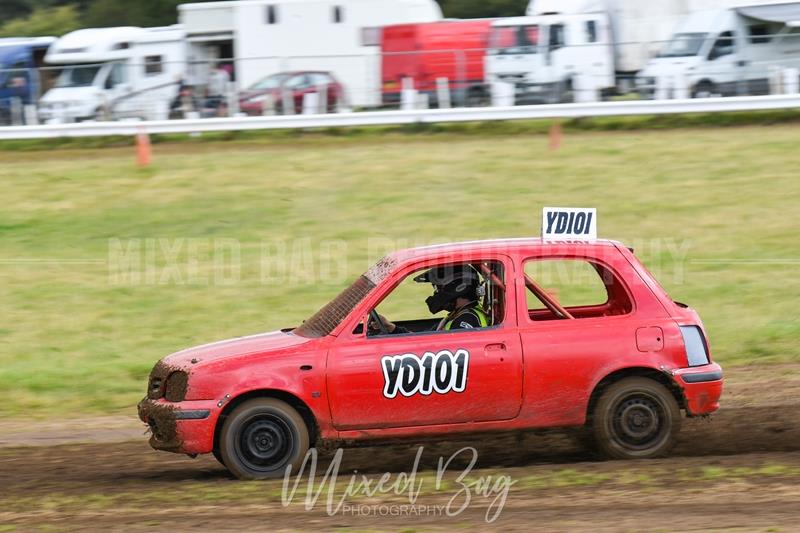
x=261 y=438
x=636 y=418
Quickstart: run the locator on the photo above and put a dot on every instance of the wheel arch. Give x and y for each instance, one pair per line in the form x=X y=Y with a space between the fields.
x=305 y=411
x=703 y=82
x=659 y=376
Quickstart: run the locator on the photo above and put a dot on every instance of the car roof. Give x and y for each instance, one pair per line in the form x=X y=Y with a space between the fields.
x=497 y=245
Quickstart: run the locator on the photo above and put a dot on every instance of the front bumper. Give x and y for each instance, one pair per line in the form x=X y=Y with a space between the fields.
x=702 y=388
x=182 y=427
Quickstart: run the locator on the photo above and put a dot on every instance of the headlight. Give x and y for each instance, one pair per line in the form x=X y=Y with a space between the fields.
x=176 y=385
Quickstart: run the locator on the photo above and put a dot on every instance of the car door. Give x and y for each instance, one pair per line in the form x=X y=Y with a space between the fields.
x=119 y=96
x=725 y=66
x=427 y=378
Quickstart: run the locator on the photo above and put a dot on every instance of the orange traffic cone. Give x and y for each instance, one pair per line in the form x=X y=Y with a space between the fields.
x=143 y=149
x=555 y=136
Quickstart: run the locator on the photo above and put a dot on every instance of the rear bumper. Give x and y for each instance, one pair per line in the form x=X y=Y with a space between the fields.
x=702 y=388
x=184 y=427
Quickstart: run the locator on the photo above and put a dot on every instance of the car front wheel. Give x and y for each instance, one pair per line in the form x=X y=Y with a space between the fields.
x=261 y=438
x=636 y=418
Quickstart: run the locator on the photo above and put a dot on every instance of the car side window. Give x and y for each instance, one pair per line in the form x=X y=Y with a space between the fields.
x=321 y=79
x=298 y=82
x=723 y=46
x=556 y=36
x=406 y=307
x=591 y=31
x=116 y=76
x=584 y=288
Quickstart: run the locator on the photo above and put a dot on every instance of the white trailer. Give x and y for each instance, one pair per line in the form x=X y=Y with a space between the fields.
x=265 y=37
x=745 y=50
x=115 y=73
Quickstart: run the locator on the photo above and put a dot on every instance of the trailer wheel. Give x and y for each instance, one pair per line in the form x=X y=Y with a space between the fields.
x=261 y=438
x=636 y=418
x=477 y=97
x=567 y=92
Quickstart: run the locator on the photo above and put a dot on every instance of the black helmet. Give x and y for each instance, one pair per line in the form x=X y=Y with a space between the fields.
x=450 y=283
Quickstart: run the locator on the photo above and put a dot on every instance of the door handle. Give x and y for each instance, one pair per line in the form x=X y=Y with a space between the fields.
x=497 y=347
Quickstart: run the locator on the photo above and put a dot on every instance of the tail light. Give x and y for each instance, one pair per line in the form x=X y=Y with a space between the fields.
x=696 y=346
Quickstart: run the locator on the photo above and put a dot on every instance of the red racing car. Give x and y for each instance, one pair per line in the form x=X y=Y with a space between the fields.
x=548 y=334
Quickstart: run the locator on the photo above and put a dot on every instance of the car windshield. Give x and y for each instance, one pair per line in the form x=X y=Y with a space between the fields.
x=329 y=317
x=684 y=45
x=270 y=82
x=77 y=76
x=514 y=39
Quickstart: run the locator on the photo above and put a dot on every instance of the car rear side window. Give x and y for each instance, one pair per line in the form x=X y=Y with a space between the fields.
x=584 y=288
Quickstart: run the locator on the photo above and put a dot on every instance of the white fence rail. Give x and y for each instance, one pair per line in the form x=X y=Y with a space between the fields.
x=388 y=118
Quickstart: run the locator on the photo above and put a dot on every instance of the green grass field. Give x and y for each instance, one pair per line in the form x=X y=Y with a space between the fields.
x=713 y=212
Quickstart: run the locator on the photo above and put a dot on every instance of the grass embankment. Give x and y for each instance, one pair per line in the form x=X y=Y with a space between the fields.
x=705 y=208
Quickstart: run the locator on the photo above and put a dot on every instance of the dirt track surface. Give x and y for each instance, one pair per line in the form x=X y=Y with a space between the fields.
x=738 y=472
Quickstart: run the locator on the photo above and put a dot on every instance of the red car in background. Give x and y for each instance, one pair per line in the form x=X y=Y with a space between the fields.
x=297 y=85
x=616 y=358
x=426 y=52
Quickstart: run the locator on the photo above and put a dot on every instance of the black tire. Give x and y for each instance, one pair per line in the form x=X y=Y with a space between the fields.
x=261 y=437
x=704 y=89
x=636 y=418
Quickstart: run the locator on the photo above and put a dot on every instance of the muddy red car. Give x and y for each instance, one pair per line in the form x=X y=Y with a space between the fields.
x=576 y=335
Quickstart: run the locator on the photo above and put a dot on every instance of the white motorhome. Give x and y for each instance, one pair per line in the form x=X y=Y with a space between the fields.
x=564 y=49
x=726 y=52
x=265 y=37
x=115 y=73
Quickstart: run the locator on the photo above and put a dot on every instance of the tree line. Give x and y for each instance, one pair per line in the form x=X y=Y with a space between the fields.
x=56 y=17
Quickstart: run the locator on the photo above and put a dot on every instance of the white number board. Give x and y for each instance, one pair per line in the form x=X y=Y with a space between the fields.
x=569 y=224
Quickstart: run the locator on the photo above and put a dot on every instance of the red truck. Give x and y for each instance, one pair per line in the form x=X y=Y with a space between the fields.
x=617 y=359
x=426 y=52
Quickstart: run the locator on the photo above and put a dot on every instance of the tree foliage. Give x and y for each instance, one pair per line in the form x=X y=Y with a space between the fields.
x=483 y=8
x=55 y=20
x=56 y=17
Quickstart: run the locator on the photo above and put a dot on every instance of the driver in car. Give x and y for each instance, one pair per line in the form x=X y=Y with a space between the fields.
x=456 y=290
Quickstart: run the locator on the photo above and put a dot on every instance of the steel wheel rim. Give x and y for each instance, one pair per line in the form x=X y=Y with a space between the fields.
x=639 y=421
x=265 y=443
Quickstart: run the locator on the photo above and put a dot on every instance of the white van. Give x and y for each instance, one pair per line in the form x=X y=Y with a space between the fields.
x=726 y=52
x=115 y=73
